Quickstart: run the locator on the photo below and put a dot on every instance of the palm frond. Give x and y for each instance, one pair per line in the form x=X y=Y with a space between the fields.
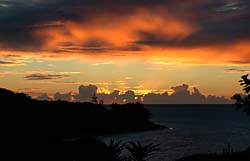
x=139 y=152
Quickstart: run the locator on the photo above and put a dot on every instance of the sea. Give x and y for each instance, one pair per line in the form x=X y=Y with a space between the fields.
x=193 y=129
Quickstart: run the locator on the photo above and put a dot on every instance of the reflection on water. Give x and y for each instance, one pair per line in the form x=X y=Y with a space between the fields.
x=194 y=129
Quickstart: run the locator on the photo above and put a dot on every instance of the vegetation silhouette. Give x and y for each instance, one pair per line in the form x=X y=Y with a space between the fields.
x=243 y=101
x=71 y=119
x=139 y=152
x=115 y=150
x=58 y=130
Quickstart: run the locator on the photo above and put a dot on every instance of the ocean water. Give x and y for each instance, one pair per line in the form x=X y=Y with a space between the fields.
x=194 y=129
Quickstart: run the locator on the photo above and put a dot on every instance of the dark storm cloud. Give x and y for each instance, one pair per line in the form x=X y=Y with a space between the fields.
x=220 y=22
x=16 y=22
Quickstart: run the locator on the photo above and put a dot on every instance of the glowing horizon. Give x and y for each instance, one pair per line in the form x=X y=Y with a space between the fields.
x=146 y=46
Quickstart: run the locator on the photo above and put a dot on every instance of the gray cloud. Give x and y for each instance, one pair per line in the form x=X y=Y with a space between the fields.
x=63 y=97
x=44 y=76
x=44 y=97
x=181 y=95
x=85 y=93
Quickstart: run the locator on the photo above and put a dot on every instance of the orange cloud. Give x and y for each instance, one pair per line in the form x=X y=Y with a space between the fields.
x=11 y=63
x=130 y=37
x=236 y=53
x=233 y=70
x=110 y=31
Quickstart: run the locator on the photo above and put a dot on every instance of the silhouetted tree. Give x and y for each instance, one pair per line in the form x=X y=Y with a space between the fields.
x=243 y=101
x=34 y=130
x=70 y=119
x=139 y=152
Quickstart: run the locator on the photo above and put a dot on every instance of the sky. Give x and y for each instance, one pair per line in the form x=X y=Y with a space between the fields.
x=142 y=46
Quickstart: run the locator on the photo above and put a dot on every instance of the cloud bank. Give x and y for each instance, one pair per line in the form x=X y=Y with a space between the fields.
x=181 y=95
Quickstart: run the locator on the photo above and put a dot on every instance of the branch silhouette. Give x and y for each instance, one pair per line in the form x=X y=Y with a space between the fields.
x=243 y=100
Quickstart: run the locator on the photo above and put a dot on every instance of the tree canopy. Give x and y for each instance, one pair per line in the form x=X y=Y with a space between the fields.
x=243 y=100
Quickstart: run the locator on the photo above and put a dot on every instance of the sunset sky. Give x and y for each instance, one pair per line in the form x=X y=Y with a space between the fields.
x=147 y=46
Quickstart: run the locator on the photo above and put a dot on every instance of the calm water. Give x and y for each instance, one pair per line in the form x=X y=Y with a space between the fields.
x=194 y=129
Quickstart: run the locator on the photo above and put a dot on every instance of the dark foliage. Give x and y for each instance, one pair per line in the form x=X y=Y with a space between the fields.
x=25 y=116
x=139 y=152
x=115 y=150
x=58 y=130
x=45 y=149
x=243 y=101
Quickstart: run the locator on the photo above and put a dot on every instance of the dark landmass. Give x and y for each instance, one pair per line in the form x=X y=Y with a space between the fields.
x=26 y=116
x=65 y=131
x=59 y=130
x=190 y=105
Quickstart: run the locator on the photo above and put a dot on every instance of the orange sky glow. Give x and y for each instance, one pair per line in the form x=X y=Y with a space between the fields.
x=155 y=45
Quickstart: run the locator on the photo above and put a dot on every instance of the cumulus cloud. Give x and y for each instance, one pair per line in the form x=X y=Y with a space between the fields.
x=85 y=93
x=44 y=97
x=63 y=97
x=113 y=97
x=181 y=90
x=181 y=95
x=212 y=99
